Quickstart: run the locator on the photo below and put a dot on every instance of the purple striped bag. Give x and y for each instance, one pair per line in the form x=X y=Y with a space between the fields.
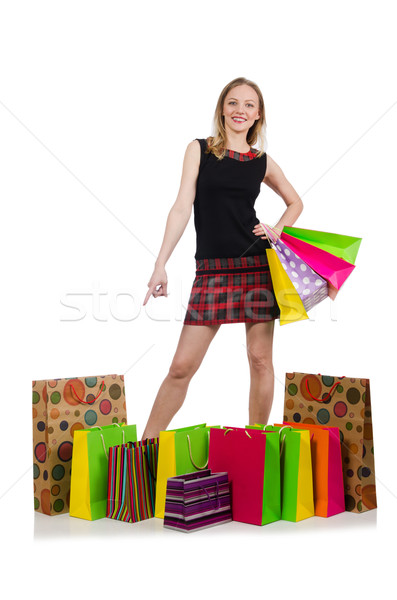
x=132 y=476
x=197 y=500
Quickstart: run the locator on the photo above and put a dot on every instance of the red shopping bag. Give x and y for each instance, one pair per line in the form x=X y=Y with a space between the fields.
x=252 y=460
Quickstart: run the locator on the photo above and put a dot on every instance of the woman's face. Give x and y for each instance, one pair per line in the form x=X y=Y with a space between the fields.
x=241 y=108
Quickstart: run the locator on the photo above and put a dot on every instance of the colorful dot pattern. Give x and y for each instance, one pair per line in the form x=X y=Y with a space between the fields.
x=311 y=288
x=57 y=414
x=349 y=409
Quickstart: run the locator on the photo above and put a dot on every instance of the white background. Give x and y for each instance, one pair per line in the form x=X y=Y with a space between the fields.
x=98 y=101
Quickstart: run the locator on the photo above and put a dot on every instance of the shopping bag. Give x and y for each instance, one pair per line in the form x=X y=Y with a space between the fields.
x=61 y=407
x=328 y=490
x=330 y=267
x=180 y=451
x=342 y=246
x=345 y=403
x=296 y=473
x=310 y=287
x=251 y=459
x=132 y=480
x=288 y=300
x=197 y=500
x=89 y=476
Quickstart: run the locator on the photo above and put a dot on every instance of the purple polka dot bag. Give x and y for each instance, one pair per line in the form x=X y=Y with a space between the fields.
x=310 y=286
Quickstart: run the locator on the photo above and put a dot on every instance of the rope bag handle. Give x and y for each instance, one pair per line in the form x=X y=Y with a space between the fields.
x=217 y=499
x=88 y=401
x=191 y=457
x=328 y=394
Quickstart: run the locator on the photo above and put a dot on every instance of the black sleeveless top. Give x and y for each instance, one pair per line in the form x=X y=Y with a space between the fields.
x=224 y=213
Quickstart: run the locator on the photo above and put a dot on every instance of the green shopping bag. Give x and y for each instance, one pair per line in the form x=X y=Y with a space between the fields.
x=181 y=451
x=297 y=501
x=296 y=473
x=342 y=246
x=89 y=476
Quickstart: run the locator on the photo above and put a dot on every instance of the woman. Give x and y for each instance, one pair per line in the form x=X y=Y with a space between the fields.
x=221 y=177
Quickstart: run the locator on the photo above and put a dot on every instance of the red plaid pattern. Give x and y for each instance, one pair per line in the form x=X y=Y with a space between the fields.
x=232 y=290
x=242 y=155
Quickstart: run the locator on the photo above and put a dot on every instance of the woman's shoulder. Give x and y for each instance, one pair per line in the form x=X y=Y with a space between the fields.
x=203 y=141
x=200 y=142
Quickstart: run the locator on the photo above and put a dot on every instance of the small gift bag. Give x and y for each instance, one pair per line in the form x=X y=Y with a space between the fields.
x=197 y=500
x=132 y=481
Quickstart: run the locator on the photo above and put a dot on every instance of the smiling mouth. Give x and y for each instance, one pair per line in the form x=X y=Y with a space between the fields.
x=238 y=120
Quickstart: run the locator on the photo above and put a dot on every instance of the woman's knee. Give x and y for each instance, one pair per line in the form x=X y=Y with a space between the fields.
x=182 y=368
x=260 y=358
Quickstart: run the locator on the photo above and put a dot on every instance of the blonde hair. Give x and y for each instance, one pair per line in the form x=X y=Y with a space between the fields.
x=217 y=142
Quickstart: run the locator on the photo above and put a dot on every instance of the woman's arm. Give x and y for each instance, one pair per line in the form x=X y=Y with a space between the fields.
x=177 y=219
x=278 y=182
x=181 y=210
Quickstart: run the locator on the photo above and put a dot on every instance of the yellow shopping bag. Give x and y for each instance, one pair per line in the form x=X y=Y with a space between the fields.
x=89 y=476
x=289 y=302
x=181 y=451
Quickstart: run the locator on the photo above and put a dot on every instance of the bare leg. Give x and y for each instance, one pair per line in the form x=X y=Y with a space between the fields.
x=192 y=346
x=260 y=358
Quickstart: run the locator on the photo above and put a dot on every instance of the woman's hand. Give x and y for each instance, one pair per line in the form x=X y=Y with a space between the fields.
x=159 y=278
x=260 y=231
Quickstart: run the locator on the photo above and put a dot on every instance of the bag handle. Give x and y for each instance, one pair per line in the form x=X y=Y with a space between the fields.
x=283 y=439
x=269 y=232
x=328 y=394
x=89 y=401
x=191 y=457
x=145 y=448
x=103 y=441
x=231 y=429
x=218 y=502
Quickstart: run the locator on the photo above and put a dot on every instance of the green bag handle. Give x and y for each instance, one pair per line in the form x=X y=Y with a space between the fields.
x=191 y=457
x=283 y=439
x=103 y=441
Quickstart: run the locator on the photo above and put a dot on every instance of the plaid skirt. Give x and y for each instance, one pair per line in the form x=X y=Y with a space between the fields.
x=232 y=290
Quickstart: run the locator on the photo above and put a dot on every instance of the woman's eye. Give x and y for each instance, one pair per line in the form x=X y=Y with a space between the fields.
x=233 y=102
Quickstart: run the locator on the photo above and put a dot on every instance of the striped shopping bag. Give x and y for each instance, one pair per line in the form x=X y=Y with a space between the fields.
x=197 y=500
x=132 y=476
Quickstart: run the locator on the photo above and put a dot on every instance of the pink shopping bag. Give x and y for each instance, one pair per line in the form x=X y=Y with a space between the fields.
x=252 y=460
x=335 y=270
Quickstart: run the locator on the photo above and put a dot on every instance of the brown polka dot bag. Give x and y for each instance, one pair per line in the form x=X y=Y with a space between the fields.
x=342 y=402
x=60 y=407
